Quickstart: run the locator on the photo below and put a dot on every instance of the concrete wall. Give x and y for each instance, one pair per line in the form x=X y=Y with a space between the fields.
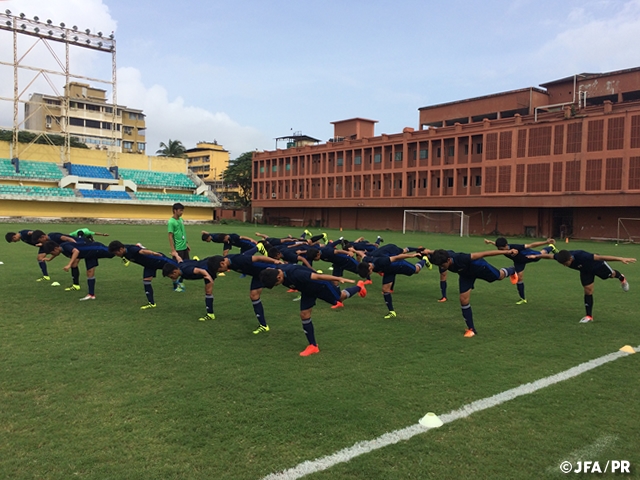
x=74 y=209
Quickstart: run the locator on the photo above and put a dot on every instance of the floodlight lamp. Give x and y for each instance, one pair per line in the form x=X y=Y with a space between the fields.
x=62 y=35
x=49 y=22
x=75 y=28
x=7 y=11
x=87 y=31
x=111 y=36
x=22 y=15
x=50 y=32
x=100 y=34
x=62 y=25
x=36 y=30
x=75 y=39
x=23 y=26
x=8 y=22
x=36 y=18
x=88 y=41
x=99 y=44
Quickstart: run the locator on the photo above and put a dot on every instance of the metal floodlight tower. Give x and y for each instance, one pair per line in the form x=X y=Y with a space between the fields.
x=46 y=31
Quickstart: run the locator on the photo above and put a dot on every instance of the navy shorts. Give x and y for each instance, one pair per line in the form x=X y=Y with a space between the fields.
x=604 y=271
x=398 y=268
x=91 y=263
x=324 y=290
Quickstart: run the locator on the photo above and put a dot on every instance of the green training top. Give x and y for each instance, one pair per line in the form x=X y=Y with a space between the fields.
x=85 y=231
x=179 y=236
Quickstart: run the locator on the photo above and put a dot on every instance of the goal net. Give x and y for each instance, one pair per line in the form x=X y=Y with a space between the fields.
x=451 y=222
x=628 y=230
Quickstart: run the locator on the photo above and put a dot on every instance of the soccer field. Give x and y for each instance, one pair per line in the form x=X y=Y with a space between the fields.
x=101 y=389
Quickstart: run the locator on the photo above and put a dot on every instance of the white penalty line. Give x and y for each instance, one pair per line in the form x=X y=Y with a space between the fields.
x=360 y=448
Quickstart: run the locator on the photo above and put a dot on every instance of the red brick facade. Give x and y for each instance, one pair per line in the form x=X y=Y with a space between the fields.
x=526 y=161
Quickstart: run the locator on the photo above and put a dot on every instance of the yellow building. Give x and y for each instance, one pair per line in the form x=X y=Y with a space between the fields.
x=90 y=119
x=208 y=161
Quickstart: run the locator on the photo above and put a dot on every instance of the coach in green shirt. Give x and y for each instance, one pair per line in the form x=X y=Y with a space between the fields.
x=177 y=236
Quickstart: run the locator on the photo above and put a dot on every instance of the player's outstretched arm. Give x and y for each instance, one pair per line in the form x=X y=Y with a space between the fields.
x=330 y=278
x=489 y=242
x=611 y=258
x=402 y=256
x=540 y=244
x=493 y=253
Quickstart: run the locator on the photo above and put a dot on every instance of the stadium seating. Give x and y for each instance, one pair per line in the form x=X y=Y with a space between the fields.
x=107 y=194
x=89 y=171
x=170 y=197
x=36 y=191
x=157 y=179
x=30 y=169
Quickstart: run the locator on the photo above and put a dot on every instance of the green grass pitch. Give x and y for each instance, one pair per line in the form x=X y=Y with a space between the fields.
x=103 y=390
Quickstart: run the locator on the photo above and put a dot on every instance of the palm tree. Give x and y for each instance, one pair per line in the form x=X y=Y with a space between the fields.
x=172 y=149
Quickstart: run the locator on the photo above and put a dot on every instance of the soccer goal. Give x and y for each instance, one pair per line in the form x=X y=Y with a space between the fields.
x=628 y=230
x=450 y=222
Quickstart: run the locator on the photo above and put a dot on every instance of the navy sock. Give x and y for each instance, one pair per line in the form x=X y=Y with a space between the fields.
x=208 y=300
x=412 y=249
x=148 y=290
x=422 y=263
x=352 y=291
x=75 y=274
x=91 y=283
x=388 y=301
x=307 y=326
x=468 y=316
x=443 y=289
x=520 y=287
x=43 y=267
x=588 y=304
x=508 y=271
x=258 y=308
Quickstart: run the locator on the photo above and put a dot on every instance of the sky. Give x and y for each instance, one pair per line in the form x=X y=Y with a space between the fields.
x=245 y=72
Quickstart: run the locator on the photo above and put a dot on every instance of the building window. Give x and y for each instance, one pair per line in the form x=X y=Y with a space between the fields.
x=438 y=152
x=141 y=148
x=92 y=123
x=76 y=122
x=127 y=145
x=287 y=167
x=261 y=169
x=274 y=168
x=357 y=160
x=449 y=182
x=424 y=154
x=465 y=181
x=377 y=158
x=340 y=162
x=127 y=130
x=451 y=151
x=479 y=148
x=398 y=156
x=478 y=180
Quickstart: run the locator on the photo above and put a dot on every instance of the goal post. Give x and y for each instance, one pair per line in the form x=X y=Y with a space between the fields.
x=628 y=230
x=450 y=222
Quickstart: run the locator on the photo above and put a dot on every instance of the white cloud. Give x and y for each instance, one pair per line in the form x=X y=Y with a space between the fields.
x=166 y=118
x=596 y=44
x=172 y=119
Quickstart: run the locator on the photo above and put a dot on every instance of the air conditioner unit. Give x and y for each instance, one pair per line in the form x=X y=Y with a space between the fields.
x=48 y=125
x=273 y=195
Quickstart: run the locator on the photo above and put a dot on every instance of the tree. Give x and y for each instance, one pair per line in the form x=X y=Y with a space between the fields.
x=172 y=149
x=238 y=174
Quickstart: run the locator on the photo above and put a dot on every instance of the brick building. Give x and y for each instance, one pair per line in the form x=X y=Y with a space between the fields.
x=563 y=158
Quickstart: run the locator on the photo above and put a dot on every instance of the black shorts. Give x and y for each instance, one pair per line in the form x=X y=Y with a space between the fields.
x=184 y=254
x=604 y=271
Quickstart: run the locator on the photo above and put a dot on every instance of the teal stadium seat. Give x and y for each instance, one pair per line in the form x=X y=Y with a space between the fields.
x=157 y=179
x=171 y=197
x=31 y=169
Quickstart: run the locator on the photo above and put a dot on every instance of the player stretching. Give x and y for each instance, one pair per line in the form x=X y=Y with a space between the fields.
x=470 y=267
x=525 y=255
x=590 y=266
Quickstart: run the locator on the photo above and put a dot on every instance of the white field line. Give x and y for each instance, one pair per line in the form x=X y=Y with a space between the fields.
x=589 y=452
x=360 y=448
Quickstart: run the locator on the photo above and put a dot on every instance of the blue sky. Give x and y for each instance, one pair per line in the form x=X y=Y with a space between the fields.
x=247 y=71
